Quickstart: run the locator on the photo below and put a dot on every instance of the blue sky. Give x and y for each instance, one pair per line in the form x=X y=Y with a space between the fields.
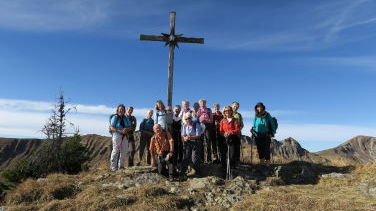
x=313 y=63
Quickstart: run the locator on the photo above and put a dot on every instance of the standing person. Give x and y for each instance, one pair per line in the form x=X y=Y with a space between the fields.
x=265 y=128
x=161 y=115
x=230 y=127
x=146 y=129
x=185 y=110
x=119 y=128
x=220 y=141
x=205 y=117
x=162 y=144
x=235 y=106
x=196 y=107
x=176 y=135
x=192 y=145
x=131 y=141
x=169 y=118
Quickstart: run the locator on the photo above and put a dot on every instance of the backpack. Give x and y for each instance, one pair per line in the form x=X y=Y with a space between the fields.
x=274 y=122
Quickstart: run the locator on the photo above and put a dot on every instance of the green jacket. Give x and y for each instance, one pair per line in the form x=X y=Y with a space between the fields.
x=264 y=124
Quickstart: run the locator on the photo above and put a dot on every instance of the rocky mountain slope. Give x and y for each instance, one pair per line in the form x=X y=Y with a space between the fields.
x=361 y=149
x=12 y=149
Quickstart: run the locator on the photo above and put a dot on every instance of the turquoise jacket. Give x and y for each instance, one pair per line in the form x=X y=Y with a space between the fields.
x=115 y=122
x=264 y=124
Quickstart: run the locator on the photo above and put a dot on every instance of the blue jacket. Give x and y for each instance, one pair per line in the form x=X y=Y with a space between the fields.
x=264 y=124
x=147 y=124
x=115 y=122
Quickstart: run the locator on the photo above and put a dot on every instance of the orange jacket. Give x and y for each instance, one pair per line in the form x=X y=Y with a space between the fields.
x=162 y=143
x=232 y=127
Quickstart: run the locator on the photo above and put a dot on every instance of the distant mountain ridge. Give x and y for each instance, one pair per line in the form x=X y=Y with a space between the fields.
x=361 y=149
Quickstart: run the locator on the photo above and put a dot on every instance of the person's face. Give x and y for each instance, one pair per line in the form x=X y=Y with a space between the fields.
x=216 y=108
x=169 y=109
x=157 y=129
x=130 y=111
x=177 y=110
x=228 y=112
x=202 y=104
x=186 y=105
x=259 y=109
x=188 y=120
x=235 y=107
x=196 y=106
x=159 y=106
x=121 y=111
x=150 y=114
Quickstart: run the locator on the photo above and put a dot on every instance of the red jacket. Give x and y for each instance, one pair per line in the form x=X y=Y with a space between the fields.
x=232 y=127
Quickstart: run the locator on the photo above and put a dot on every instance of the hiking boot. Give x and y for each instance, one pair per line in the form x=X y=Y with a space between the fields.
x=171 y=178
x=191 y=173
x=183 y=177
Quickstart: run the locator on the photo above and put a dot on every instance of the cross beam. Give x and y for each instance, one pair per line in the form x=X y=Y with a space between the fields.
x=172 y=41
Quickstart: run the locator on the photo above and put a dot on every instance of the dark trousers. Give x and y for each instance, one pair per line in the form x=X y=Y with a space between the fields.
x=210 y=141
x=232 y=144
x=238 y=148
x=163 y=164
x=222 y=148
x=192 y=155
x=145 y=143
x=263 y=146
x=178 y=147
x=131 y=149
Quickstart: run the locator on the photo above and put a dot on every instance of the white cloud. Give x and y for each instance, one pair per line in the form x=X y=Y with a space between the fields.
x=368 y=62
x=344 y=20
x=22 y=118
x=41 y=106
x=50 y=15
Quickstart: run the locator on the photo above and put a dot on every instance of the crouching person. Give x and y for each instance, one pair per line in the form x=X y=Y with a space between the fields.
x=192 y=146
x=162 y=144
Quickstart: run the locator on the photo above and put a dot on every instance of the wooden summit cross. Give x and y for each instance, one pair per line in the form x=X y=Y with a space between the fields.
x=171 y=40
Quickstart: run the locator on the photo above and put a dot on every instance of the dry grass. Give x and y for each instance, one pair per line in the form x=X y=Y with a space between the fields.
x=328 y=194
x=56 y=186
x=84 y=191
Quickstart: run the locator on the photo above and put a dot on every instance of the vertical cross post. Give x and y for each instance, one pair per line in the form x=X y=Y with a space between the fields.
x=172 y=41
x=171 y=58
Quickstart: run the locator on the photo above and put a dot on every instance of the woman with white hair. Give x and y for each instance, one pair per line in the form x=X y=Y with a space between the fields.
x=192 y=145
x=205 y=116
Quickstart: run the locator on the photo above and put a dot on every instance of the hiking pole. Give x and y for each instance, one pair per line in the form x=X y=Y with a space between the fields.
x=252 y=138
x=228 y=171
x=183 y=160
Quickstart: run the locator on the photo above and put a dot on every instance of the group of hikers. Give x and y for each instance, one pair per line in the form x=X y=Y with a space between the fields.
x=175 y=137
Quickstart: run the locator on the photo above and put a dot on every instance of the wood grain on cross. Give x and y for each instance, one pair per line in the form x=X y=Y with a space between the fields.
x=172 y=41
